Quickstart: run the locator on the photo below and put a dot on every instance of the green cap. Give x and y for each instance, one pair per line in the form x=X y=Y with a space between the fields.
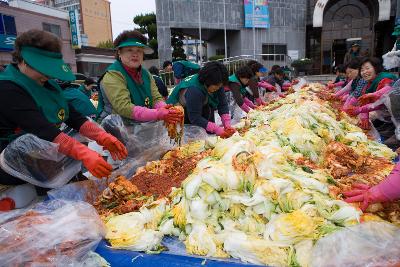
x=396 y=31
x=137 y=43
x=47 y=63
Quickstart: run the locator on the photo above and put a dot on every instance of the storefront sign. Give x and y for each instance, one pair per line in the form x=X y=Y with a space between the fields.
x=75 y=31
x=256 y=14
x=7 y=42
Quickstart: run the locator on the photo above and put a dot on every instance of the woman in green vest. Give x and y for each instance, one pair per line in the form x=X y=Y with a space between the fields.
x=184 y=68
x=32 y=102
x=237 y=87
x=128 y=89
x=203 y=93
x=87 y=87
x=378 y=84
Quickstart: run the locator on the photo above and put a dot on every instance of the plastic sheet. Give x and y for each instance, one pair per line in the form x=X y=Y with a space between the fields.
x=53 y=233
x=391 y=61
x=368 y=244
x=235 y=111
x=38 y=162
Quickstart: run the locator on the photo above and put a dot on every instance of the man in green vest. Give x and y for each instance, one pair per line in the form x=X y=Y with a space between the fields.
x=32 y=102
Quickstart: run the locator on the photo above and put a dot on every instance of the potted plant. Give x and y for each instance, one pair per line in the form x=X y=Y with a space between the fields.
x=302 y=66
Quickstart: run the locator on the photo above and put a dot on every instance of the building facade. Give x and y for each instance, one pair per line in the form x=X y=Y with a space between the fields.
x=94 y=18
x=21 y=15
x=322 y=30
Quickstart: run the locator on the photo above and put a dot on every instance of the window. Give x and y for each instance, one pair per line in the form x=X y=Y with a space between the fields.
x=7 y=25
x=279 y=52
x=55 y=29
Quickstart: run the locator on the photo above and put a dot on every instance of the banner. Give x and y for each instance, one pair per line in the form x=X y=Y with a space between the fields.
x=7 y=42
x=261 y=14
x=74 y=27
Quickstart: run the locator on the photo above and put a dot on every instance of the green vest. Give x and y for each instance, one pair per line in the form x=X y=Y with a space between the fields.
x=374 y=85
x=50 y=102
x=397 y=45
x=140 y=94
x=192 y=81
x=79 y=101
x=190 y=67
x=234 y=79
x=88 y=93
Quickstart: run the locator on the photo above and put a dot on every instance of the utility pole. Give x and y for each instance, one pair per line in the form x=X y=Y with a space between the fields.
x=226 y=45
x=254 y=32
x=201 y=45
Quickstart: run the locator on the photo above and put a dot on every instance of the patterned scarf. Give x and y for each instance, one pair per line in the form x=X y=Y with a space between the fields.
x=357 y=87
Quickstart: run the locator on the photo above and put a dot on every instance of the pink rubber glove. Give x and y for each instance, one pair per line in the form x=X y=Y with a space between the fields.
x=353 y=111
x=146 y=114
x=344 y=90
x=259 y=101
x=387 y=190
x=364 y=121
x=344 y=97
x=226 y=120
x=351 y=101
x=245 y=108
x=160 y=104
x=248 y=102
x=373 y=97
x=339 y=84
x=213 y=128
x=267 y=86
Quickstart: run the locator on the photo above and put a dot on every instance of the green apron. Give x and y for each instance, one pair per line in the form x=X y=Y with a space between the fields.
x=50 y=102
x=374 y=85
x=79 y=101
x=192 y=81
x=234 y=79
x=140 y=93
x=190 y=67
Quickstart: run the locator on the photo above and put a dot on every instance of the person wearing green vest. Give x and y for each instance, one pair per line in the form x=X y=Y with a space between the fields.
x=203 y=93
x=31 y=102
x=184 y=68
x=237 y=88
x=80 y=101
x=128 y=89
x=87 y=87
x=378 y=84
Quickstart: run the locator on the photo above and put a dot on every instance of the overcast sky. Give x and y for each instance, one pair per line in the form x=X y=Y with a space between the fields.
x=123 y=12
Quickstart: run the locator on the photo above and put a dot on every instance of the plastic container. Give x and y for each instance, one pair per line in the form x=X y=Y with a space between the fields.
x=22 y=195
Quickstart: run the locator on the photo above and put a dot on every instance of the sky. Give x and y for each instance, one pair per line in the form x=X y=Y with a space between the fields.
x=123 y=12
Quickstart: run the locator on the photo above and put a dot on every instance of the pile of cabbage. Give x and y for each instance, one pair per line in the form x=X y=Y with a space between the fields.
x=249 y=200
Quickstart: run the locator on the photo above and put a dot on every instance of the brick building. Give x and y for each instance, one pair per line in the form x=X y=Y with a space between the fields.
x=25 y=15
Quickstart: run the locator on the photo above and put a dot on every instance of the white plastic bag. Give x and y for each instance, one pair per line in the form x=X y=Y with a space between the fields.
x=368 y=245
x=391 y=61
x=53 y=233
x=38 y=162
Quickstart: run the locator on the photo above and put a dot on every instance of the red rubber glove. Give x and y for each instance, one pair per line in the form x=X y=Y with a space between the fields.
x=93 y=162
x=109 y=142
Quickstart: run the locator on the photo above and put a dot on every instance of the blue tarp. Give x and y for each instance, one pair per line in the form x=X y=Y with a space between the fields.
x=130 y=258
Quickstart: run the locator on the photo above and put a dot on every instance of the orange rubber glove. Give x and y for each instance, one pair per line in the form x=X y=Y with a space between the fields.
x=93 y=162
x=108 y=141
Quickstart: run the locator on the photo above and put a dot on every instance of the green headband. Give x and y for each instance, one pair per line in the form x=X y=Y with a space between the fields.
x=136 y=43
x=48 y=63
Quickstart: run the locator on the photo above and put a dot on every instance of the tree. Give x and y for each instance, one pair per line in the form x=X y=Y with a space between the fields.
x=106 y=44
x=177 y=44
x=148 y=26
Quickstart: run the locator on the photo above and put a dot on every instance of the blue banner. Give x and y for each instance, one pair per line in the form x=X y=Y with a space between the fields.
x=261 y=14
x=7 y=42
x=74 y=28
